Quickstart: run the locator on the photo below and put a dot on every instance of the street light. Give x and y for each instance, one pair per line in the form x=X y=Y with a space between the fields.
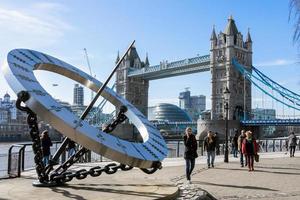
x=226 y=99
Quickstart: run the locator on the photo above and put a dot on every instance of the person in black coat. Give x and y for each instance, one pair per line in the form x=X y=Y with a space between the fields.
x=190 y=153
x=210 y=147
x=46 y=144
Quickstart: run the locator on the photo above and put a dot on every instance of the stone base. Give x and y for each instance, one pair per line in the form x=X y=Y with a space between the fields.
x=216 y=126
x=131 y=185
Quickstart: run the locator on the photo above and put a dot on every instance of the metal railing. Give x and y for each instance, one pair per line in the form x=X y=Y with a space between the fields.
x=20 y=158
x=176 y=147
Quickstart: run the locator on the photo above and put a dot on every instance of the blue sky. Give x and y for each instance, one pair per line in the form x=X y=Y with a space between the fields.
x=167 y=30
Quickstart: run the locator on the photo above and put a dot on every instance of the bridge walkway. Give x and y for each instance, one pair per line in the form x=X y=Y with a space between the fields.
x=277 y=176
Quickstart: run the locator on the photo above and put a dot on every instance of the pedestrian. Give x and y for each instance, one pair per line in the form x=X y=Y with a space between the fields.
x=210 y=147
x=249 y=149
x=190 y=153
x=46 y=144
x=235 y=144
x=71 y=148
x=217 y=143
x=240 y=141
x=292 y=142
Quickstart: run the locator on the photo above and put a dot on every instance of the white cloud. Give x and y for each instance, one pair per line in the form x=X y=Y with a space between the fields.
x=49 y=6
x=32 y=27
x=276 y=62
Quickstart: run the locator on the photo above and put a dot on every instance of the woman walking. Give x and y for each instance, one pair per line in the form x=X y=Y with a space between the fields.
x=249 y=149
x=190 y=153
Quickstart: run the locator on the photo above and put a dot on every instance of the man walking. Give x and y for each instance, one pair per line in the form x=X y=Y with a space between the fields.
x=292 y=143
x=240 y=141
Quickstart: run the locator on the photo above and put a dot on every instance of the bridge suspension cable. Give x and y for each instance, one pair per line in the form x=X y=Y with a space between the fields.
x=259 y=80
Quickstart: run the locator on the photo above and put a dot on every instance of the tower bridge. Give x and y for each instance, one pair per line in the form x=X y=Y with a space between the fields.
x=230 y=64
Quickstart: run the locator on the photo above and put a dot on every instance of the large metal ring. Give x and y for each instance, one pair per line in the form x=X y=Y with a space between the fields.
x=19 y=74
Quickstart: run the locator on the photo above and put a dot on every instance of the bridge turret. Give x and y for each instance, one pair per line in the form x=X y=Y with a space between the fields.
x=118 y=58
x=248 y=42
x=132 y=59
x=147 y=64
x=213 y=38
x=231 y=32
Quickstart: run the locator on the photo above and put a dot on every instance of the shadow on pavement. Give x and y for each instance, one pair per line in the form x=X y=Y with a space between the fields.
x=283 y=168
x=99 y=188
x=120 y=185
x=234 y=186
x=255 y=170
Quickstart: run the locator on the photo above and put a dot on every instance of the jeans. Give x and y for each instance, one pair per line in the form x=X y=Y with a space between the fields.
x=292 y=151
x=46 y=160
x=218 y=149
x=235 y=152
x=71 y=152
x=190 y=164
x=242 y=159
x=210 y=154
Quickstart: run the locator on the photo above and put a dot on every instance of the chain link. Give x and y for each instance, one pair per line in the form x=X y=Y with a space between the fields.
x=35 y=136
x=61 y=175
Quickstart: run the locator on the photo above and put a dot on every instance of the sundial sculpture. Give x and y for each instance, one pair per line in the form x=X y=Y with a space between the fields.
x=19 y=74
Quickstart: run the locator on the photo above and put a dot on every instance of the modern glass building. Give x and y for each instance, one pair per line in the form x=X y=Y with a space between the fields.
x=193 y=105
x=78 y=96
x=167 y=113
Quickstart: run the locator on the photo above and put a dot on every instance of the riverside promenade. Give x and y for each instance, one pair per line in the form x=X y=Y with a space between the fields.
x=276 y=176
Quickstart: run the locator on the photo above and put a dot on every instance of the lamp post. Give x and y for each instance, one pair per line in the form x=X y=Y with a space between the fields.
x=226 y=98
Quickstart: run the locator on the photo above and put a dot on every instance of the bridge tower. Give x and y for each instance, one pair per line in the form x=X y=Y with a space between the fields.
x=133 y=89
x=224 y=47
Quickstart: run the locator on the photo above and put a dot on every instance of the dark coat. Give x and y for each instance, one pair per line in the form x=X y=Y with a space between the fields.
x=292 y=140
x=191 y=146
x=210 y=146
x=46 y=144
x=249 y=147
x=71 y=145
x=235 y=141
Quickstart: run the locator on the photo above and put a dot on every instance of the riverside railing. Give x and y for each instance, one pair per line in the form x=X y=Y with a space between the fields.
x=176 y=147
x=20 y=157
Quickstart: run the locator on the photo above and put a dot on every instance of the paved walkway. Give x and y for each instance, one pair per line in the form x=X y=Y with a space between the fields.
x=276 y=176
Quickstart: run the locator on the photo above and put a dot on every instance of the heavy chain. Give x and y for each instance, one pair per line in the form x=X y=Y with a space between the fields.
x=83 y=173
x=121 y=117
x=61 y=175
x=35 y=136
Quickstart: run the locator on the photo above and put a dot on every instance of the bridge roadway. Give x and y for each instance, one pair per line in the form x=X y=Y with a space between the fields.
x=276 y=176
x=250 y=122
x=177 y=68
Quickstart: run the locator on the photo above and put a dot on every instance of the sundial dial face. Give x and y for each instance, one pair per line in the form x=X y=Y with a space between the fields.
x=18 y=72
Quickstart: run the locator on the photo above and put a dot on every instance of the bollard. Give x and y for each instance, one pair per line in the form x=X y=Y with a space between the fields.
x=178 y=148
x=280 y=145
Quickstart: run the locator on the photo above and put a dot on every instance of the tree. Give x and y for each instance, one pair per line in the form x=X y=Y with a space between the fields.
x=295 y=15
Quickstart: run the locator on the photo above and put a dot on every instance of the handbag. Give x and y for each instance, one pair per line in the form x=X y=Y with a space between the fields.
x=256 y=158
